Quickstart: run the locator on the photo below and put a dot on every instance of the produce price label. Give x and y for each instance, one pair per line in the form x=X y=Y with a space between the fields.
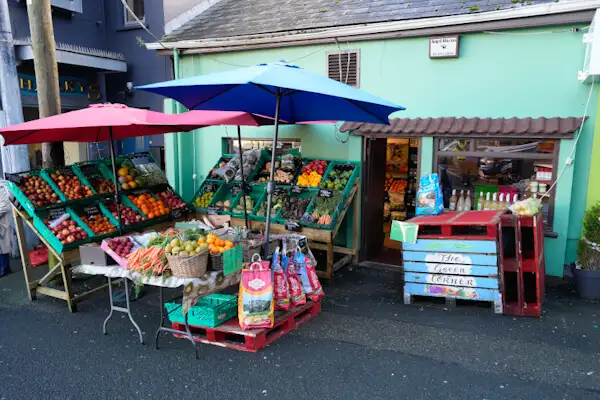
x=66 y=171
x=325 y=193
x=293 y=226
x=179 y=212
x=213 y=210
x=89 y=170
x=90 y=211
x=297 y=189
x=14 y=178
x=210 y=187
x=279 y=192
x=56 y=213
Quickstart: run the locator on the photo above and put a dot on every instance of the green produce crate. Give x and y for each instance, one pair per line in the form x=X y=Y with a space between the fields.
x=225 y=193
x=295 y=174
x=263 y=199
x=13 y=185
x=256 y=193
x=334 y=215
x=68 y=170
x=306 y=194
x=225 y=158
x=264 y=158
x=38 y=223
x=206 y=185
x=308 y=160
x=88 y=170
x=80 y=210
x=146 y=191
x=210 y=311
x=353 y=177
x=175 y=213
x=140 y=225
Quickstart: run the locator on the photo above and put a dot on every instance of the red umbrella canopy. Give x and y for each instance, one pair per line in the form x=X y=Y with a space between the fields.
x=99 y=121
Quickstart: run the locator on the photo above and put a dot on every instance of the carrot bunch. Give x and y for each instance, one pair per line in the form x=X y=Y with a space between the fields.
x=151 y=207
x=151 y=260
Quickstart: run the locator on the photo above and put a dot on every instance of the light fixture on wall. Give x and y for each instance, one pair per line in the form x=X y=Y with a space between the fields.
x=129 y=86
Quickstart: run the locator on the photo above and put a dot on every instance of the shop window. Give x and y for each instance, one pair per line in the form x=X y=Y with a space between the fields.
x=137 y=8
x=344 y=67
x=283 y=145
x=523 y=167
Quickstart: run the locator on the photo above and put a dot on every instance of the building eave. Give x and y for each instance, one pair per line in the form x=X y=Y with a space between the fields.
x=565 y=12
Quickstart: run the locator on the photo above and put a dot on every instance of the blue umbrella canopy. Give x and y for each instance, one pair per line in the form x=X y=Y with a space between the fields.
x=304 y=96
x=281 y=91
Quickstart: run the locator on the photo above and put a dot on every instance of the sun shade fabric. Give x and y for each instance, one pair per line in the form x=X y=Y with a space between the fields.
x=306 y=96
x=93 y=124
x=560 y=128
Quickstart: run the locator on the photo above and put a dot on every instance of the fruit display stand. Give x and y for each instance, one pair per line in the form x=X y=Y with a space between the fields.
x=323 y=239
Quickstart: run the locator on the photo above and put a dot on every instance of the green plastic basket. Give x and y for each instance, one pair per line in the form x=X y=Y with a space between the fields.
x=79 y=210
x=216 y=185
x=86 y=175
x=210 y=311
x=140 y=225
x=255 y=193
x=38 y=223
x=24 y=200
x=224 y=194
x=308 y=160
x=263 y=198
x=353 y=177
x=334 y=217
x=68 y=169
x=225 y=158
x=306 y=194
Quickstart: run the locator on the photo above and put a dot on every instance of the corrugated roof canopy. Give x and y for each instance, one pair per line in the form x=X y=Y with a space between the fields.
x=559 y=128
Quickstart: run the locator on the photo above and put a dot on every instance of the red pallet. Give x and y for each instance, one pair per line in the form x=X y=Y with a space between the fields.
x=230 y=334
x=522 y=264
x=470 y=225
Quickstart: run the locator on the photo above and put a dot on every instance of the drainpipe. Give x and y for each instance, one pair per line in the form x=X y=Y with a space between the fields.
x=178 y=110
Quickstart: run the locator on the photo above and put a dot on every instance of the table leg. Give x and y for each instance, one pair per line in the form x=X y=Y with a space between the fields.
x=124 y=310
x=163 y=328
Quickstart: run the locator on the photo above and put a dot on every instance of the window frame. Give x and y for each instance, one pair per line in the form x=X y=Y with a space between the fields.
x=229 y=142
x=333 y=53
x=75 y=6
x=489 y=154
x=132 y=23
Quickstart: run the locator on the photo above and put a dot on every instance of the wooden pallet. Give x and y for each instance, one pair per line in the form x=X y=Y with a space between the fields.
x=449 y=302
x=471 y=225
x=230 y=334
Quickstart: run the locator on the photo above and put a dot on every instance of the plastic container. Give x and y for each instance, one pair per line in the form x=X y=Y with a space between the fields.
x=40 y=226
x=306 y=194
x=210 y=311
x=533 y=187
x=13 y=185
x=353 y=176
x=68 y=170
x=87 y=171
x=225 y=193
x=334 y=215
x=80 y=210
x=263 y=198
x=305 y=163
x=255 y=194
x=207 y=185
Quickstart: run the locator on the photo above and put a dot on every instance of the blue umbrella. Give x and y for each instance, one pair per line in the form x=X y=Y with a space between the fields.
x=281 y=91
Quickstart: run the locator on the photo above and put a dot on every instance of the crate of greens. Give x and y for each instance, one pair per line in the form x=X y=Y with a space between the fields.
x=204 y=196
x=296 y=205
x=279 y=197
x=323 y=211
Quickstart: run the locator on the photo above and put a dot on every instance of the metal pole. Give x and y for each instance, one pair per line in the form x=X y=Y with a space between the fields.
x=15 y=158
x=46 y=71
x=114 y=168
x=271 y=184
x=244 y=187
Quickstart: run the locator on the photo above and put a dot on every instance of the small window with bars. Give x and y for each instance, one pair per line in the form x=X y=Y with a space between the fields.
x=343 y=66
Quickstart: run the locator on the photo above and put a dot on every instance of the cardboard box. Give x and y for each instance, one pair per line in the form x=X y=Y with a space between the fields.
x=94 y=255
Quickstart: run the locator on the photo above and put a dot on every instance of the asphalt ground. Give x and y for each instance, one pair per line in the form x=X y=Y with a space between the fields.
x=364 y=345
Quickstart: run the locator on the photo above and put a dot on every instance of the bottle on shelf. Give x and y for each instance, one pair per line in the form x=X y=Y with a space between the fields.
x=461 y=201
x=467 y=205
x=488 y=202
x=501 y=202
x=515 y=198
x=452 y=201
x=481 y=202
x=494 y=205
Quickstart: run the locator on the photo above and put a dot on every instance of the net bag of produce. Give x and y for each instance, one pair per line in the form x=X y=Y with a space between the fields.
x=255 y=299
x=280 y=285
x=230 y=169
x=429 y=196
x=297 y=297
x=308 y=277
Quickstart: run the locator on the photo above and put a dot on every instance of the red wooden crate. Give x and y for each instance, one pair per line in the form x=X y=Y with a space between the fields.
x=230 y=334
x=468 y=225
x=522 y=264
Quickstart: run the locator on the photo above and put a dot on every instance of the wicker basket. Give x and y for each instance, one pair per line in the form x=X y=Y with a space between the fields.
x=189 y=267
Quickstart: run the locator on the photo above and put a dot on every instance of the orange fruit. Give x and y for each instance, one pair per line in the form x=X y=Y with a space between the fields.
x=123 y=172
x=210 y=240
x=132 y=185
x=221 y=249
x=201 y=240
x=151 y=215
x=228 y=243
x=129 y=178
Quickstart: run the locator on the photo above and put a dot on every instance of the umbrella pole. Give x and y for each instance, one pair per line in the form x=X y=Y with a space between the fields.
x=271 y=184
x=244 y=187
x=114 y=168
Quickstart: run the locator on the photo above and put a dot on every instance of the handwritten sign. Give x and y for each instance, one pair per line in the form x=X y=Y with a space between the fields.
x=293 y=226
x=297 y=189
x=452 y=280
x=279 y=192
x=56 y=213
x=453 y=269
x=326 y=193
x=14 y=178
x=235 y=189
x=66 y=171
x=91 y=211
x=90 y=170
x=213 y=210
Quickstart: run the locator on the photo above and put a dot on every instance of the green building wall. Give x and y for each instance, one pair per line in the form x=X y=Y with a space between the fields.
x=522 y=74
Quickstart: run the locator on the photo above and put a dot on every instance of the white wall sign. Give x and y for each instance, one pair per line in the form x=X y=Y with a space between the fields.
x=443 y=47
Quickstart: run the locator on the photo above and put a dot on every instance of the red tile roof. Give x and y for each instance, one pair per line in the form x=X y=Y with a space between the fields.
x=561 y=128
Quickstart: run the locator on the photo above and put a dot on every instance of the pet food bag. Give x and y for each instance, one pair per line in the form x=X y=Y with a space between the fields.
x=429 y=196
x=308 y=277
x=255 y=299
x=280 y=285
x=297 y=297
